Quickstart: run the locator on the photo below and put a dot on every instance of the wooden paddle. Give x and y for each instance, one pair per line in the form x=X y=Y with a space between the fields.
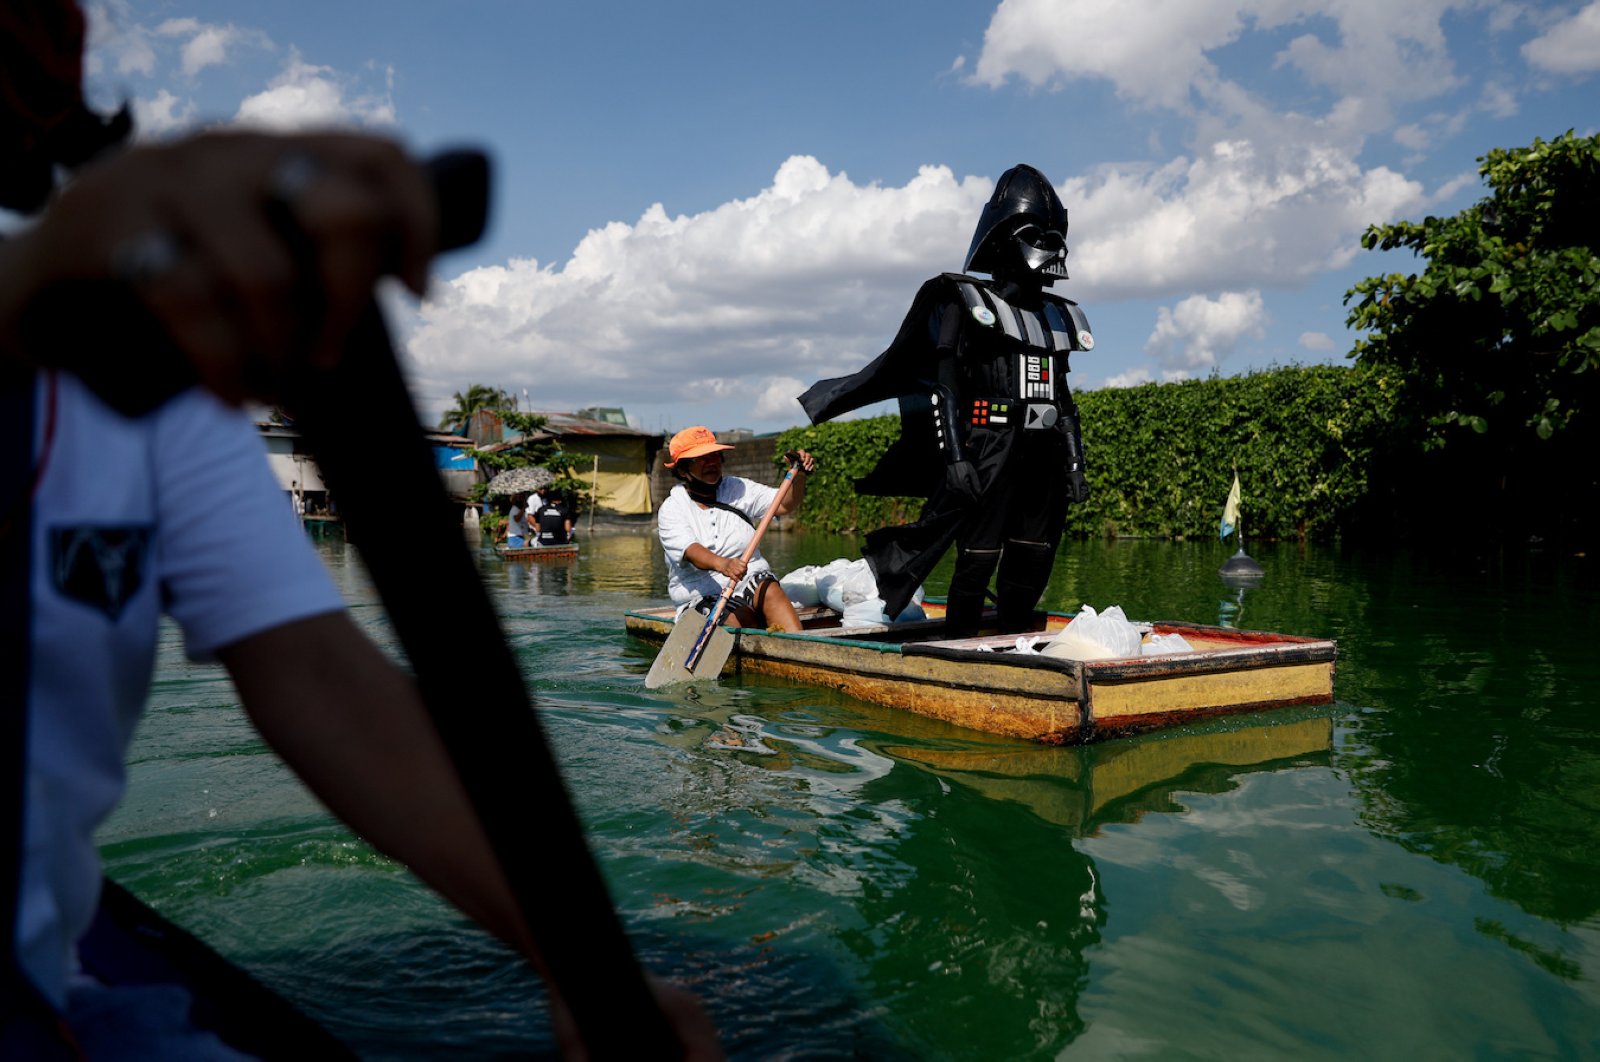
x=695 y=649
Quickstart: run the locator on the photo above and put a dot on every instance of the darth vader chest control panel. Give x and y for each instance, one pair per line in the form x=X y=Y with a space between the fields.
x=1026 y=351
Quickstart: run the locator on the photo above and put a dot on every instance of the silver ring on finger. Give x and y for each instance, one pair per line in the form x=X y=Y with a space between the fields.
x=146 y=257
x=294 y=176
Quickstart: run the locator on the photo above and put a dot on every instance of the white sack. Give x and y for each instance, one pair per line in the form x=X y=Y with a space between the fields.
x=801 y=586
x=1096 y=636
x=1164 y=644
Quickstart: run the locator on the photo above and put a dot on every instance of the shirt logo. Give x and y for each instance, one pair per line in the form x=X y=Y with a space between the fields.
x=102 y=567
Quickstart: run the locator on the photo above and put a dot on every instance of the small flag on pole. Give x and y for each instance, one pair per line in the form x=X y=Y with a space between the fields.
x=1230 y=510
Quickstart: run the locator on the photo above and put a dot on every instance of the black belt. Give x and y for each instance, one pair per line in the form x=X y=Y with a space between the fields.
x=1002 y=413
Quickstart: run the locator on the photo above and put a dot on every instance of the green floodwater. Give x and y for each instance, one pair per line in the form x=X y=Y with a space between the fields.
x=1412 y=872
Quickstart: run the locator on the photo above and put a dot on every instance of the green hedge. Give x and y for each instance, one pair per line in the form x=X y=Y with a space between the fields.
x=1306 y=440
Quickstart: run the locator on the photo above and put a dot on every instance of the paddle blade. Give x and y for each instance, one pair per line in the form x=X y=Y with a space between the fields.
x=670 y=666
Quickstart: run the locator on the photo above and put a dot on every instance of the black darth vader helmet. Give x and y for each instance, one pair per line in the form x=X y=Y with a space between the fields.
x=1023 y=230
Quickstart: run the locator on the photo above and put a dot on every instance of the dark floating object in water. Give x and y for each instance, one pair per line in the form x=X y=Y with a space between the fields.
x=1241 y=570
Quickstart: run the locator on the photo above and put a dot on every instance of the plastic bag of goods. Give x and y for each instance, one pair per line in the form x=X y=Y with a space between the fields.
x=912 y=612
x=868 y=613
x=848 y=587
x=801 y=586
x=842 y=583
x=1166 y=644
x=1096 y=636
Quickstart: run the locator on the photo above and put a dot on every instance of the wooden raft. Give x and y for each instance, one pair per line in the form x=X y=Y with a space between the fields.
x=983 y=684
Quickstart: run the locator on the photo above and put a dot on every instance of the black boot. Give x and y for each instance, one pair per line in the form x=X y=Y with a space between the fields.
x=968 y=586
x=1024 y=573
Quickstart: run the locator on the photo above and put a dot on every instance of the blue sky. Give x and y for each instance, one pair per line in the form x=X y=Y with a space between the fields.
x=701 y=208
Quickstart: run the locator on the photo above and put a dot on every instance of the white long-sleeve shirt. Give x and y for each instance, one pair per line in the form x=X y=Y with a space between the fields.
x=681 y=523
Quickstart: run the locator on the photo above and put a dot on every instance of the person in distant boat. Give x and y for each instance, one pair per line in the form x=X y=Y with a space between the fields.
x=515 y=530
x=110 y=519
x=989 y=431
x=552 y=522
x=707 y=521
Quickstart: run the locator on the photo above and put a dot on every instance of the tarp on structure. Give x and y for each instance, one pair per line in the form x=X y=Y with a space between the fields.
x=618 y=468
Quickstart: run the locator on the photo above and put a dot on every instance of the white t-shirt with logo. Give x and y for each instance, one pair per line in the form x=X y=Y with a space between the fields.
x=174 y=512
x=681 y=523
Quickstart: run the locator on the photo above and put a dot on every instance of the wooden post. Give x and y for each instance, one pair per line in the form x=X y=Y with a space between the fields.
x=594 y=492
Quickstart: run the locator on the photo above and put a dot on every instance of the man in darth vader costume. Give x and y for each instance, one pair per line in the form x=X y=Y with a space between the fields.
x=989 y=432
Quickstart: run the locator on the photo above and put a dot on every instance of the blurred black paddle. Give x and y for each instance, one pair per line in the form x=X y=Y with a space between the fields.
x=433 y=595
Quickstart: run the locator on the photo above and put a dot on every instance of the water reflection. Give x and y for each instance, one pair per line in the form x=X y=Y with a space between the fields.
x=973 y=913
x=1231 y=613
x=1481 y=747
x=845 y=880
x=552 y=575
x=1086 y=787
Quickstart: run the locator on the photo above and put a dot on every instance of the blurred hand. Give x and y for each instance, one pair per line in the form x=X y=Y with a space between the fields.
x=682 y=1010
x=734 y=568
x=217 y=234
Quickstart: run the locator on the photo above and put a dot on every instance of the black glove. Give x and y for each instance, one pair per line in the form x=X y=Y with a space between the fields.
x=1077 y=486
x=961 y=480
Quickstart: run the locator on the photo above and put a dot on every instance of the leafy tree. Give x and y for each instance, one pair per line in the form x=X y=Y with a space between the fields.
x=534 y=451
x=1509 y=290
x=474 y=398
x=1497 y=340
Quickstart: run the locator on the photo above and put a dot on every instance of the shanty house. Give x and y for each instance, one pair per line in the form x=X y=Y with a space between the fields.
x=601 y=449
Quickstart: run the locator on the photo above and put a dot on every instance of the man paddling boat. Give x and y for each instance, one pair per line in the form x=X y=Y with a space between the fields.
x=707 y=521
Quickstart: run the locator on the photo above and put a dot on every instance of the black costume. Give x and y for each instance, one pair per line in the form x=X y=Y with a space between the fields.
x=551 y=521
x=989 y=432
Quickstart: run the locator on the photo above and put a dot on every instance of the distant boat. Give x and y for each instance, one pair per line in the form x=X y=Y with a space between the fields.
x=538 y=552
x=985 y=684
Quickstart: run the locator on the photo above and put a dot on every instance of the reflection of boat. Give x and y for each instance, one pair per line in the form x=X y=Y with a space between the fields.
x=982 y=683
x=569 y=549
x=1090 y=786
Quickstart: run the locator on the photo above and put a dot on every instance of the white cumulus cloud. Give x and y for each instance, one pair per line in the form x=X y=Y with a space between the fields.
x=163 y=115
x=1320 y=342
x=1198 y=332
x=808 y=278
x=1131 y=378
x=116 y=41
x=207 y=44
x=777 y=397
x=305 y=95
x=1572 y=46
x=1263 y=197
x=1237 y=215
x=1160 y=52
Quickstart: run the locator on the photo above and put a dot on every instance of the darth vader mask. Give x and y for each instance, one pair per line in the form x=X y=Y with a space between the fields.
x=1022 y=234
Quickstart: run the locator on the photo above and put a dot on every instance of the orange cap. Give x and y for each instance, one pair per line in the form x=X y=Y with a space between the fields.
x=693 y=442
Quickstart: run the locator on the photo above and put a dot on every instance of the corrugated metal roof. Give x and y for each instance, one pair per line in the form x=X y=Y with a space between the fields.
x=572 y=424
